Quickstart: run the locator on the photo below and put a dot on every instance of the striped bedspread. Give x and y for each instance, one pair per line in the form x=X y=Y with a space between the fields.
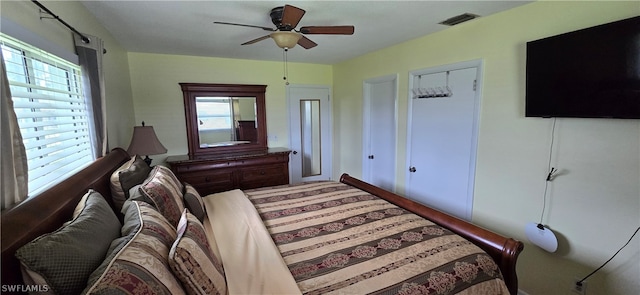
x=338 y=239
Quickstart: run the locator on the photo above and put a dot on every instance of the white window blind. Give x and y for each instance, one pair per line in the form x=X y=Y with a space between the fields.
x=51 y=110
x=214 y=113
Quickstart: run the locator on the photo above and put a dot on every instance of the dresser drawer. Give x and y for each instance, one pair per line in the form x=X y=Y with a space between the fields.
x=262 y=161
x=224 y=173
x=262 y=172
x=209 y=181
x=266 y=175
x=207 y=166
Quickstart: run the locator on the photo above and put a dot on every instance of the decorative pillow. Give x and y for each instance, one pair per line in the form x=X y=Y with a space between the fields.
x=131 y=173
x=131 y=226
x=135 y=194
x=80 y=206
x=192 y=260
x=138 y=263
x=165 y=192
x=66 y=257
x=193 y=201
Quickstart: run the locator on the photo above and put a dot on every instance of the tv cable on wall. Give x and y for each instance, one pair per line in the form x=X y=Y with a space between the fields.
x=537 y=233
x=540 y=235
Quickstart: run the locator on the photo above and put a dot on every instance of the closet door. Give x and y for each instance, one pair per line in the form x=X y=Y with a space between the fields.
x=379 y=134
x=442 y=141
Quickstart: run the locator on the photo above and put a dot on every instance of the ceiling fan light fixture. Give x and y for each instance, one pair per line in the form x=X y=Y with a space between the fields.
x=285 y=39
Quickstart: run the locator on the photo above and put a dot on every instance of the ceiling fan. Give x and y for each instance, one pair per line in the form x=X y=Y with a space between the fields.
x=286 y=18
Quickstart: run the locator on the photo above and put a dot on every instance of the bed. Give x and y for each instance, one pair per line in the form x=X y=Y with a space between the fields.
x=279 y=215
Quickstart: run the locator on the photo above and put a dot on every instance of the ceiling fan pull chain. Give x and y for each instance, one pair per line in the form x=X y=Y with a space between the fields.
x=286 y=68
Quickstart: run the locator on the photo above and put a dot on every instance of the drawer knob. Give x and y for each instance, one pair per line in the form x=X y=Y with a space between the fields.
x=207 y=179
x=261 y=172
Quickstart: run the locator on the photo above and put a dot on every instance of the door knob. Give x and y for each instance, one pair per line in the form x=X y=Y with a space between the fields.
x=412 y=169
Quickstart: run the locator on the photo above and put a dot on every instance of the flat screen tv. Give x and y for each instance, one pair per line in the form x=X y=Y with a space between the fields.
x=590 y=73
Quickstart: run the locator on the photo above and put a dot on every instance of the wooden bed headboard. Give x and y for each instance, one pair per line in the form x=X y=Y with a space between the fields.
x=49 y=210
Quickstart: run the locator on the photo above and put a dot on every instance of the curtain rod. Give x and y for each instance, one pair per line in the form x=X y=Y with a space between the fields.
x=83 y=37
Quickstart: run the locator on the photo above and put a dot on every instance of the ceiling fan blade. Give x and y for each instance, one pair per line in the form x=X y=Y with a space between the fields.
x=291 y=16
x=242 y=25
x=306 y=43
x=329 y=30
x=256 y=40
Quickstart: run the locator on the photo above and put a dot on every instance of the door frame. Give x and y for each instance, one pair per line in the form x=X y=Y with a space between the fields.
x=366 y=130
x=328 y=141
x=478 y=64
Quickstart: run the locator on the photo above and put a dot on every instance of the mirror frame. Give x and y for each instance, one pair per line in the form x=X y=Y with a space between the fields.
x=192 y=90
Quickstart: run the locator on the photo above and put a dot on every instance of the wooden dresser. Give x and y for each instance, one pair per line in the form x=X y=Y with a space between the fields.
x=217 y=173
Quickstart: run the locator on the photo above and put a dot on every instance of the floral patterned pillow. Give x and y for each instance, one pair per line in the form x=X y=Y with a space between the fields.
x=193 y=261
x=164 y=189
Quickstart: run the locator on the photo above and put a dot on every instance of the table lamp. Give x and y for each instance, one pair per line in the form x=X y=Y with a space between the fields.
x=145 y=142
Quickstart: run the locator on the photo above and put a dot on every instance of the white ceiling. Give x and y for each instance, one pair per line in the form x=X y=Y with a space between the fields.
x=187 y=28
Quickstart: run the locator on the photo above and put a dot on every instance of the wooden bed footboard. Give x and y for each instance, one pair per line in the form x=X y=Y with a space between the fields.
x=504 y=250
x=49 y=210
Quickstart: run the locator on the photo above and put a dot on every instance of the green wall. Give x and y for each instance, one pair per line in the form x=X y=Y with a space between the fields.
x=593 y=205
x=158 y=99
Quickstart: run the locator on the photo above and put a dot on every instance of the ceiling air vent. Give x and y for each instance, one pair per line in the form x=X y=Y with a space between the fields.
x=459 y=19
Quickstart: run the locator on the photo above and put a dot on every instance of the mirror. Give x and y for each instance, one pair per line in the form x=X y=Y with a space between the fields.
x=224 y=118
x=226 y=121
x=310 y=134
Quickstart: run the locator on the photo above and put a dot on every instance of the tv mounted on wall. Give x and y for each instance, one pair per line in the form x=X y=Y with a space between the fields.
x=589 y=73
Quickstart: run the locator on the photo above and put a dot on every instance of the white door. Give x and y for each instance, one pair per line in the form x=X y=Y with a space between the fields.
x=310 y=133
x=379 y=136
x=443 y=138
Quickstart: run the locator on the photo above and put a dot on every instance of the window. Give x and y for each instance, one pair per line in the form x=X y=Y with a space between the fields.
x=51 y=110
x=214 y=113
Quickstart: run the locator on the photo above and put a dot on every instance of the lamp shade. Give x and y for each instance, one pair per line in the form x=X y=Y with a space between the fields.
x=285 y=39
x=144 y=142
